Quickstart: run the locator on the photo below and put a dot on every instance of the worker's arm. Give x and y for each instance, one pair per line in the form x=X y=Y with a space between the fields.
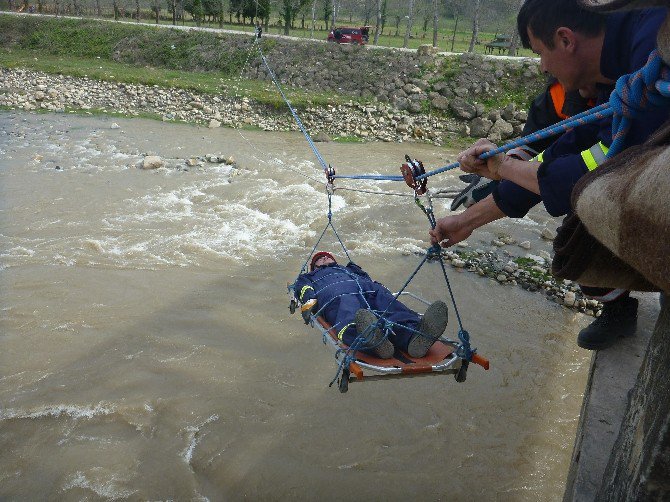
x=306 y=295
x=500 y=166
x=456 y=228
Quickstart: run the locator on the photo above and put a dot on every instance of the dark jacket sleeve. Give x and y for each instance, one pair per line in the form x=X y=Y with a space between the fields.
x=513 y=200
x=304 y=289
x=563 y=164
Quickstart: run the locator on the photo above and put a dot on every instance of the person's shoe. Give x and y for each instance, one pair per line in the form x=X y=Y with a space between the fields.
x=374 y=339
x=431 y=327
x=617 y=319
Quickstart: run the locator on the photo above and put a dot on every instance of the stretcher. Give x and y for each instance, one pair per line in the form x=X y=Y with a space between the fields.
x=442 y=357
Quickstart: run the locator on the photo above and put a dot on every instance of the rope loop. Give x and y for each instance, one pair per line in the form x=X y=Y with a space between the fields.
x=464 y=351
x=633 y=94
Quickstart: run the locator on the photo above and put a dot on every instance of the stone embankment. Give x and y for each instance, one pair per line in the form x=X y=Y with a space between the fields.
x=532 y=274
x=32 y=90
x=408 y=103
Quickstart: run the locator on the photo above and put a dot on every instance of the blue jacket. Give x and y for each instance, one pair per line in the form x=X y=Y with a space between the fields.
x=629 y=38
x=341 y=291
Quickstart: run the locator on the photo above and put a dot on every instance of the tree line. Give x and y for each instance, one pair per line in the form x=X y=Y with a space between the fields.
x=385 y=17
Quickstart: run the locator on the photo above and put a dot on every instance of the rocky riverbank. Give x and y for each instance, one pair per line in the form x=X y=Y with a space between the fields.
x=33 y=90
x=378 y=93
x=532 y=273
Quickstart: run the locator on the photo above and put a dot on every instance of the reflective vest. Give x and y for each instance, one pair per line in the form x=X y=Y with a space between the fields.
x=595 y=155
x=592 y=157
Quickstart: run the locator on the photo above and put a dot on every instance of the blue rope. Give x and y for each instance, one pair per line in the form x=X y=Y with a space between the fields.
x=634 y=93
x=293 y=112
x=463 y=351
x=303 y=269
x=586 y=117
x=380 y=177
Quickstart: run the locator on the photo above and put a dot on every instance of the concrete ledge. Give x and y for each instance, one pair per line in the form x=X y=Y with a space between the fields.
x=614 y=373
x=639 y=468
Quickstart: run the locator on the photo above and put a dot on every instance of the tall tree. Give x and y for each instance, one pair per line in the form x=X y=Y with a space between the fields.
x=410 y=22
x=378 y=24
x=289 y=9
x=327 y=11
x=368 y=7
x=384 y=6
x=198 y=12
x=436 y=18
x=455 y=9
x=311 y=31
x=475 y=24
x=156 y=8
x=514 y=39
x=336 y=11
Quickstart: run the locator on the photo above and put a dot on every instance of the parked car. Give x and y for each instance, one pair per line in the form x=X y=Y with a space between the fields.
x=344 y=35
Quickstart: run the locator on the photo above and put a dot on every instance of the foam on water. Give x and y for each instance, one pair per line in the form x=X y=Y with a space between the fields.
x=106 y=488
x=59 y=410
x=193 y=436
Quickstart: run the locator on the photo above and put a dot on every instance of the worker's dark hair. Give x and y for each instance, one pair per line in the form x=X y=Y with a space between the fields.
x=544 y=17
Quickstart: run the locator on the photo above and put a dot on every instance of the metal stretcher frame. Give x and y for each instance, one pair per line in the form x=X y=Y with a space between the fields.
x=441 y=358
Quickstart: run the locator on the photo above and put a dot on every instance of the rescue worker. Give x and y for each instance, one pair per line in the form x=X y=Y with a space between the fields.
x=548 y=108
x=585 y=51
x=347 y=298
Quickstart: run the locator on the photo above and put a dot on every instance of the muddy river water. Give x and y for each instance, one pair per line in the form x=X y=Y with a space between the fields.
x=147 y=351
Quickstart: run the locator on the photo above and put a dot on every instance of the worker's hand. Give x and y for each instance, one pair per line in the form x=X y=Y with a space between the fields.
x=471 y=163
x=451 y=230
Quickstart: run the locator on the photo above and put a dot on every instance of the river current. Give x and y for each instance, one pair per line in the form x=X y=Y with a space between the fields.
x=147 y=351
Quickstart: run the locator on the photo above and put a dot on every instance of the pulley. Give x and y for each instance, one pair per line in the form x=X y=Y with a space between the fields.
x=410 y=171
x=330 y=174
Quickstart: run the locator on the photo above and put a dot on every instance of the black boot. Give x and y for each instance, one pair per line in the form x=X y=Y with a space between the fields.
x=618 y=318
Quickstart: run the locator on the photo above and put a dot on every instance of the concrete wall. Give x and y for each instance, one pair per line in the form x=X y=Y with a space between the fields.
x=622 y=448
x=639 y=467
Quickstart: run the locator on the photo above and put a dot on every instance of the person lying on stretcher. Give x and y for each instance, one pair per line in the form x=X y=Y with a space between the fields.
x=350 y=301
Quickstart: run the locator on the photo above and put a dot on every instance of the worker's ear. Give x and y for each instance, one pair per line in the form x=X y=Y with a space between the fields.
x=566 y=39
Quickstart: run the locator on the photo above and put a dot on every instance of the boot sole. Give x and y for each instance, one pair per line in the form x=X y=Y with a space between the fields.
x=432 y=325
x=375 y=342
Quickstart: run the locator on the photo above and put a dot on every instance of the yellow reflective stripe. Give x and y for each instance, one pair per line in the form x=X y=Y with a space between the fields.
x=539 y=157
x=302 y=291
x=308 y=305
x=341 y=332
x=595 y=155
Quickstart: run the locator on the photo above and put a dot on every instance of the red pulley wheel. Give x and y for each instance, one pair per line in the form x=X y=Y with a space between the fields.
x=410 y=171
